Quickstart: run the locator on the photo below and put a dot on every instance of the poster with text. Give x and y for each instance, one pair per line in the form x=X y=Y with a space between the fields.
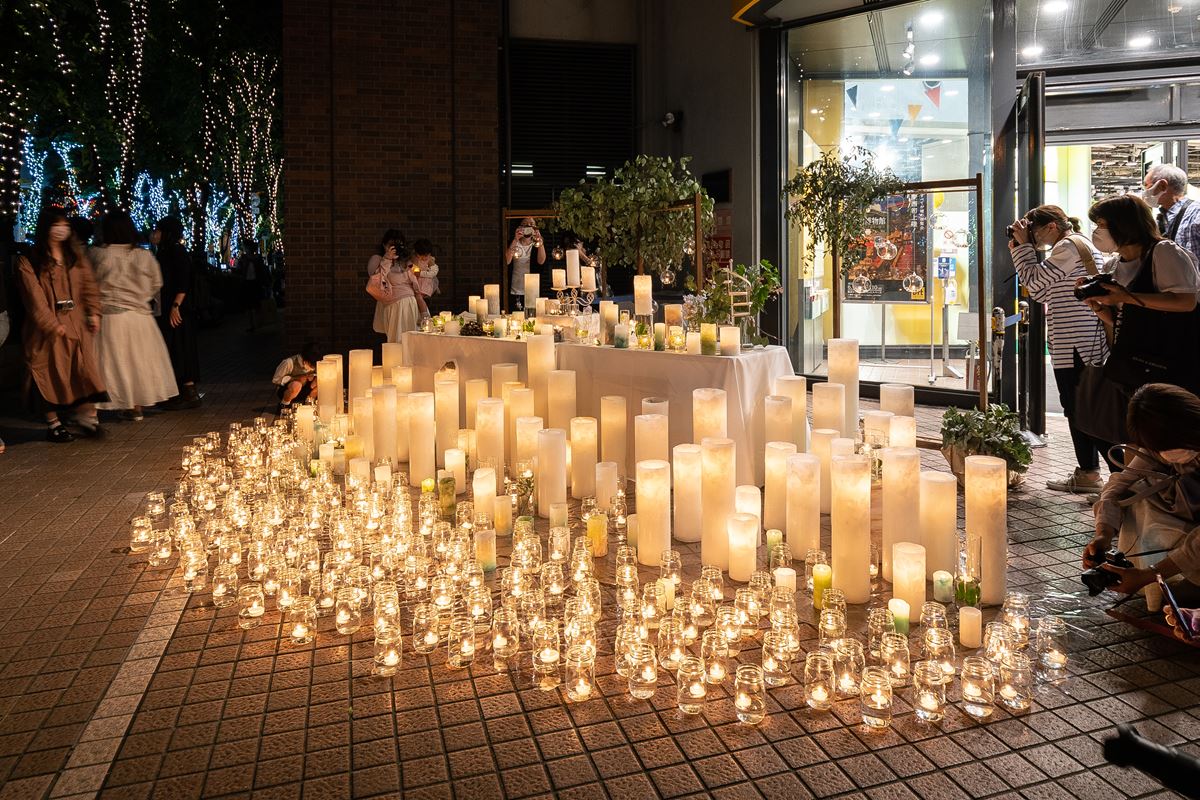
x=894 y=245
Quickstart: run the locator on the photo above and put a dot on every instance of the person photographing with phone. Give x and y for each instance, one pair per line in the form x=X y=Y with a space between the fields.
x=520 y=255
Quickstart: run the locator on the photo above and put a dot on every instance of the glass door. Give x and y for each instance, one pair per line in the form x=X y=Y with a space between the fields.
x=1031 y=329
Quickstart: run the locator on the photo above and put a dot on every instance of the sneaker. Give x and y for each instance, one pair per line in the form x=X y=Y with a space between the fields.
x=130 y=415
x=90 y=428
x=59 y=434
x=1078 y=482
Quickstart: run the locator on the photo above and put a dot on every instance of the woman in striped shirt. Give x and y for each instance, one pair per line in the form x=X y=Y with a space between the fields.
x=1076 y=335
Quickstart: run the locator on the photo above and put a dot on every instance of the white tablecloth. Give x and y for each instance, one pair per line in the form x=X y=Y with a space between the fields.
x=426 y=353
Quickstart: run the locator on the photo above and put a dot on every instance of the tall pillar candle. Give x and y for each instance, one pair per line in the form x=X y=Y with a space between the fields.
x=613 y=431
x=364 y=424
x=402 y=415
x=742 y=532
x=510 y=433
x=539 y=364
x=476 y=390
x=491 y=292
x=876 y=427
x=502 y=374
x=609 y=315
x=654 y=510
x=572 y=256
x=360 y=372
x=376 y=376
x=822 y=447
x=642 y=302
x=305 y=423
x=898 y=398
x=552 y=469
x=902 y=432
x=561 y=389
x=393 y=356
x=521 y=403
x=710 y=414
x=445 y=394
x=803 y=504
x=339 y=390
x=527 y=437
x=843 y=369
x=829 y=406
x=583 y=457
x=686 y=473
x=850 y=523
x=718 y=486
x=456 y=465
x=533 y=289
x=908 y=574
x=650 y=438
x=777 y=418
x=327 y=400
x=939 y=520
x=987 y=505
x=383 y=400
x=483 y=491
x=795 y=388
x=901 y=515
x=420 y=437
x=656 y=405
x=731 y=340
x=747 y=499
x=402 y=379
x=489 y=431
x=606 y=484
x=776 y=487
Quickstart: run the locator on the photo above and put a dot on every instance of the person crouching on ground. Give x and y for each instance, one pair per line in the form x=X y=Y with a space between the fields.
x=295 y=378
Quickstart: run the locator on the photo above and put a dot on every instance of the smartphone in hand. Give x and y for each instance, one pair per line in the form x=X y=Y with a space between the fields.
x=1182 y=621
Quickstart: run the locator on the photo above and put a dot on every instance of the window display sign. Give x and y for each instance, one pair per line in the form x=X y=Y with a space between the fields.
x=894 y=250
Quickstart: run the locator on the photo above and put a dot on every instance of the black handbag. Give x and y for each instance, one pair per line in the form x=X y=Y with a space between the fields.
x=1101 y=404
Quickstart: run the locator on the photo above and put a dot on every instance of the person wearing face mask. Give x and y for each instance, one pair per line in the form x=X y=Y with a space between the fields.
x=520 y=251
x=62 y=318
x=403 y=307
x=1076 y=335
x=1177 y=215
x=1154 y=503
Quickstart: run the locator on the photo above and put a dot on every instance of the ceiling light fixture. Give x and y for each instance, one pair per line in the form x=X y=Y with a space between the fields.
x=908 y=67
x=1032 y=51
x=929 y=59
x=1140 y=41
x=931 y=18
x=951 y=93
x=887 y=87
x=1055 y=6
x=873 y=114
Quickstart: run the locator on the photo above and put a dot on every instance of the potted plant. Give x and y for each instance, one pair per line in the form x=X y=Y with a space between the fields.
x=711 y=304
x=994 y=432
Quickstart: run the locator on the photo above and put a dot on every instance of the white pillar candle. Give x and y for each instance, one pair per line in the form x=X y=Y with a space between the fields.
x=642 y=302
x=445 y=393
x=452 y=327
x=609 y=315
x=402 y=379
x=731 y=340
x=558 y=279
x=339 y=388
x=521 y=403
x=489 y=430
x=897 y=398
x=402 y=415
x=987 y=505
x=583 y=457
x=692 y=340
x=748 y=500
x=938 y=505
x=795 y=387
x=383 y=401
x=876 y=426
x=502 y=374
x=613 y=431
x=420 y=437
x=742 y=532
x=822 y=447
x=561 y=398
x=552 y=469
x=902 y=432
x=393 y=356
x=476 y=390
x=483 y=490
x=491 y=292
x=606 y=484
x=364 y=423
x=360 y=468
x=970 y=627
x=456 y=465
x=710 y=414
x=943 y=583
x=829 y=406
x=650 y=438
x=539 y=364
x=686 y=466
x=656 y=405
x=326 y=451
x=621 y=335
x=843 y=369
x=572 y=256
x=901 y=510
x=502 y=516
x=526 y=432
x=376 y=377
x=383 y=475
x=785 y=577
x=481 y=309
x=360 y=372
x=718 y=488
x=328 y=402
x=654 y=510
x=777 y=418
x=305 y=425
x=775 y=489
x=803 y=504
x=908 y=573
x=850 y=523
x=589 y=279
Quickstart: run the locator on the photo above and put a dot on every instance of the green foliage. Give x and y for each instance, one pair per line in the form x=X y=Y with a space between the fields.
x=830 y=197
x=624 y=215
x=995 y=432
x=712 y=304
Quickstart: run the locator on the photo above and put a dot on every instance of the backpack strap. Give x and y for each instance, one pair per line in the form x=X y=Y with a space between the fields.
x=1085 y=252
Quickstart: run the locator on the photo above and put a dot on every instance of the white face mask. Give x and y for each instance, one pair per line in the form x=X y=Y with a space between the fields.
x=1152 y=198
x=1103 y=241
x=1180 y=456
x=60 y=233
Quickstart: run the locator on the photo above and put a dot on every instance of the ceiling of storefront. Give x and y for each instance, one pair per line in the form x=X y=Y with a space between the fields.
x=1069 y=32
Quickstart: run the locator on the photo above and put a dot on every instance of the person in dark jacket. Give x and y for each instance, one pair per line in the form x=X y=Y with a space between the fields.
x=178 y=318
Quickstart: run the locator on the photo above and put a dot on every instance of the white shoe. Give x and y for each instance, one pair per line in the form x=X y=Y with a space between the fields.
x=1078 y=482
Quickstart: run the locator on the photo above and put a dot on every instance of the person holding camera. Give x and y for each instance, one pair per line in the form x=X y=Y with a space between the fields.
x=520 y=254
x=399 y=305
x=62 y=318
x=1154 y=503
x=1076 y=335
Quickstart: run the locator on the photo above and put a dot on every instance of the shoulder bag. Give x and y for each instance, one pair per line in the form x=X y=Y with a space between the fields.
x=379 y=287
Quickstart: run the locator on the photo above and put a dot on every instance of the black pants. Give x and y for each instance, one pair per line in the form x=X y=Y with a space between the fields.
x=1087 y=448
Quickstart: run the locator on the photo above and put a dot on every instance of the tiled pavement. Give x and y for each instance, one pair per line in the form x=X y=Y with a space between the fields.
x=99 y=683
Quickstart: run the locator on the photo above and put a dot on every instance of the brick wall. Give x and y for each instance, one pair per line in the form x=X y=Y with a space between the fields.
x=390 y=119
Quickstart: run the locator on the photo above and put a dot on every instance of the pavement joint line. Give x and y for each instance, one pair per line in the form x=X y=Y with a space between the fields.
x=97 y=747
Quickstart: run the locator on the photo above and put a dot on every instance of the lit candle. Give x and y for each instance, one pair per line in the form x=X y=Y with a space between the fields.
x=900 y=610
x=902 y=432
x=613 y=435
x=897 y=398
x=642 y=303
x=483 y=484
x=583 y=457
x=572 y=256
x=850 y=523
x=687 y=478
x=597 y=533
x=650 y=438
x=748 y=500
x=491 y=292
x=526 y=434
x=986 y=511
x=353 y=447
x=875 y=427
x=552 y=469
x=731 y=340
x=777 y=418
x=943 y=585
x=654 y=510
x=502 y=518
x=383 y=403
x=718 y=490
x=589 y=279
x=445 y=394
x=558 y=279
x=476 y=389
x=606 y=484
x=803 y=518
x=970 y=627
x=456 y=465
x=710 y=414
x=843 y=369
x=785 y=577
x=708 y=339
x=360 y=373
x=519 y=402
x=795 y=388
x=501 y=374
x=908 y=573
x=901 y=466
x=938 y=503
x=489 y=430
x=364 y=423
x=743 y=546
x=829 y=406
x=304 y=423
x=561 y=400
x=775 y=496
x=539 y=364
x=420 y=437
x=621 y=335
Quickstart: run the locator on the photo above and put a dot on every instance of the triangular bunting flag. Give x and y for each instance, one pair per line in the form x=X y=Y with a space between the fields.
x=913 y=110
x=852 y=95
x=933 y=90
x=895 y=124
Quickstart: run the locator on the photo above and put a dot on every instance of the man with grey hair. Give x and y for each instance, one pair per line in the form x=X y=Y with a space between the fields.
x=1178 y=216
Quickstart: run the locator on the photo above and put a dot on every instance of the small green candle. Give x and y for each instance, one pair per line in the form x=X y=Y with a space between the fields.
x=708 y=339
x=774 y=537
x=822 y=577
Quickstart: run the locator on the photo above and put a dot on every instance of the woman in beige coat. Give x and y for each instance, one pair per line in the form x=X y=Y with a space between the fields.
x=62 y=306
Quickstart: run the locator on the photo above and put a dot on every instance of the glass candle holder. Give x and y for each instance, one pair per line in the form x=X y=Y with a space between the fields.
x=780 y=599
x=831 y=627
x=627 y=635
x=581 y=673
x=998 y=641
x=387 y=654
x=425 y=628
x=671 y=647
x=532 y=607
x=701 y=606
x=875 y=697
x=643 y=673
x=787 y=622
x=778 y=556
x=554 y=584
x=775 y=659
x=289 y=587
x=978 y=687
x=745 y=600
x=833 y=600
x=933 y=615
x=714 y=652
x=929 y=691
x=224 y=585
x=1015 y=613
x=302 y=620
x=879 y=622
x=812 y=557
x=251 y=605
x=654 y=605
x=588 y=593
x=729 y=624
x=894 y=657
x=546 y=654
x=670 y=566
x=848 y=664
x=559 y=544
x=762 y=584
x=690 y=685
x=506 y=637
x=161 y=548
x=347 y=611
x=1052 y=643
x=750 y=694
x=1016 y=682
x=716 y=582
x=141 y=534
x=819 y=680
x=939 y=649
x=460 y=643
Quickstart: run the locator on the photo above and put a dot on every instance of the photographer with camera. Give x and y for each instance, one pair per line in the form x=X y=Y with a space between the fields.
x=1154 y=503
x=1076 y=335
x=526 y=239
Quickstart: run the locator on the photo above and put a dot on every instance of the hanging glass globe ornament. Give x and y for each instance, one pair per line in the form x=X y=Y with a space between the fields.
x=887 y=251
x=860 y=283
x=913 y=283
x=557 y=254
x=879 y=242
x=667 y=276
x=689 y=247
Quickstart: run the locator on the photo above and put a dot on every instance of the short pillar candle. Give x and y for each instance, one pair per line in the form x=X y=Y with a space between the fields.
x=908 y=573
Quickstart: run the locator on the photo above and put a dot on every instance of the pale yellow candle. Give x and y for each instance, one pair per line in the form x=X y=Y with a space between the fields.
x=908 y=573
x=476 y=390
x=829 y=406
x=902 y=432
x=987 y=507
x=383 y=404
x=402 y=379
x=353 y=447
x=642 y=302
x=673 y=314
x=938 y=501
x=654 y=510
x=376 y=377
x=533 y=289
x=501 y=374
x=539 y=365
x=522 y=402
x=748 y=500
x=606 y=484
x=656 y=405
x=710 y=414
x=364 y=423
x=393 y=356
x=613 y=431
x=445 y=394
x=650 y=438
x=821 y=445
x=693 y=343
x=360 y=468
x=489 y=430
x=775 y=494
x=901 y=511
x=850 y=523
x=588 y=284
x=360 y=373
x=305 y=425
x=731 y=340
x=876 y=426
x=777 y=418
x=897 y=398
x=803 y=504
x=562 y=405
x=483 y=490
x=970 y=627
x=552 y=469
x=456 y=465
x=402 y=415
x=718 y=489
x=843 y=369
x=742 y=530
x=421 y=446
x=686 y=466
x=572 y=270
x=795 y=388
x=491 y=292
x=527 y=431
x=328 y=402
x=583 y=457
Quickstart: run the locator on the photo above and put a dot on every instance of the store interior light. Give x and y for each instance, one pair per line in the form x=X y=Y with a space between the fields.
x=1140 y=41
x=1032 y=51
x=873 y=114
x=887 y=87
x=908 y=67
x=951 y=93
x=932 y=18
x=929 y=59
x=1055 y=6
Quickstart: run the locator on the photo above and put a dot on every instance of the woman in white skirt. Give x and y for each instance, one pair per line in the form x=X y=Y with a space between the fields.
x=406 y=308
x=133 y=358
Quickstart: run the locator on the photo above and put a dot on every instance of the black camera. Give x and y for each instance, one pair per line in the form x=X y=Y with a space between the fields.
x=64 y=305
x=1097 y=579
x=1094 y=286
x=1009 y=232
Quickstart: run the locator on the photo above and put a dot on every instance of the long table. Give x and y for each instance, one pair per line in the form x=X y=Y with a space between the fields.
x=632 y=374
